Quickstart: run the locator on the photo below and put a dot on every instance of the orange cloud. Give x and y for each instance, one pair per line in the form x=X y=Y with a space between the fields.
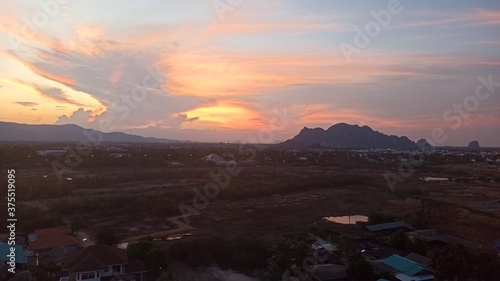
x=51 y=76
x=116 y=74
x=227 y=73
x=226 y=115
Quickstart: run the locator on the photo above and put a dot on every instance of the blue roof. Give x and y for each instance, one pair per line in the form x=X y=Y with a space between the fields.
x=389 y=225
x=403 y=265
x=5 y=251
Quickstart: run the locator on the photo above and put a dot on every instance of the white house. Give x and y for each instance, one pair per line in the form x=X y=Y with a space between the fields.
x=101 y=262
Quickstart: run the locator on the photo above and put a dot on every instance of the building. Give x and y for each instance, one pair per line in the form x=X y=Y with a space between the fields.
x=51 y=244
x=52 y=152
x=423 y=261
x=213 y=158
x=406 y=270
x=389 y=226
x=438 y=240
x=102 y=263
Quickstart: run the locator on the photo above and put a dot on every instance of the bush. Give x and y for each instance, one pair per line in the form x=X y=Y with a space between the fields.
x=238 y=253
x=359 y=268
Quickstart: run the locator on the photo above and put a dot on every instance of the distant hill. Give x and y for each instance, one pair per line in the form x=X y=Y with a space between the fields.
x=63 y=133
x=349 y=136
x=424 y=145
x=474 y=145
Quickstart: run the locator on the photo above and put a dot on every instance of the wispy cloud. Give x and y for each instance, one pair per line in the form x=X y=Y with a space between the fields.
x=26 y=103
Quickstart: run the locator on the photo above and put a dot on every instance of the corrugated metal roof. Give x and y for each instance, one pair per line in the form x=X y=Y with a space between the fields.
x=419 y=259
x=403 y=265
x=389 y=225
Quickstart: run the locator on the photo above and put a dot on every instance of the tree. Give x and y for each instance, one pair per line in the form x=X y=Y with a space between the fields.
x=156 y=260
x=377 y=218
x=168 y=276
x=452 y=263
x=76 y=225
x=107 y=236
x=359 y=268
x=346 y=244
x=139 y=250
x=489 y=267
x=46 y=272
x=399 y=240
x=286 y=253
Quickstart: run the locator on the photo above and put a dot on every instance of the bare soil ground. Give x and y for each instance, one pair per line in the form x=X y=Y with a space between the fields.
x=445 y=204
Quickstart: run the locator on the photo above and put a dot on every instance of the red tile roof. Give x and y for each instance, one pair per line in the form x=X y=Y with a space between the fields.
x=50 y=242
x=95 y=257
x=46 y=232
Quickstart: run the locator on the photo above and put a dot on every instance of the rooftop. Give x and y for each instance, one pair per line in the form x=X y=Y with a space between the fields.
x=59 y=230
x=51 y=242
x=419 y=259
x=403 y=265
x=95 y=257
x=389 y=225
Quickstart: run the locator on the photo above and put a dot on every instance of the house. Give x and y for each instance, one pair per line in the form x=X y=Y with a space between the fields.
x=213 y=158
x=301 y=159
x=407 y=270
x=51 y=244
x=389 y=226
x=384 y=252
x=423 y=261
x=51 y=231
x=102 y=263
x=438 y=240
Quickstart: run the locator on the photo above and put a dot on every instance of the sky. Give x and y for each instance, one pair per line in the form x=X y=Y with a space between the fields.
x=254 y=71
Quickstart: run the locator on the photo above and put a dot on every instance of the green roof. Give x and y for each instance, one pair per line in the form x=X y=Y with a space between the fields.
x=403 y=265
x=5 y=251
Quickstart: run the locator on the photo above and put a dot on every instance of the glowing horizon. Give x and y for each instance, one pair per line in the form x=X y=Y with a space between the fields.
x=210 y=71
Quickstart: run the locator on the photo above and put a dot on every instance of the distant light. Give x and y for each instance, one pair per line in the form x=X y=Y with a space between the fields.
x=145 y=155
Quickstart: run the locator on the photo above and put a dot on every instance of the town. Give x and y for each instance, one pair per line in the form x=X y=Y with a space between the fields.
x=280 y=213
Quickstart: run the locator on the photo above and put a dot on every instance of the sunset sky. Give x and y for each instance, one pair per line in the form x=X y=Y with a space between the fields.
x=229 y=70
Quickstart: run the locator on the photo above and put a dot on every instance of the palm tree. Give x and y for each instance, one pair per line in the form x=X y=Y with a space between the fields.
x=286 y=253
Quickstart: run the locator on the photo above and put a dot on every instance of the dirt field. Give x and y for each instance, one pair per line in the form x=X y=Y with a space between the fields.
x=445 y=204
